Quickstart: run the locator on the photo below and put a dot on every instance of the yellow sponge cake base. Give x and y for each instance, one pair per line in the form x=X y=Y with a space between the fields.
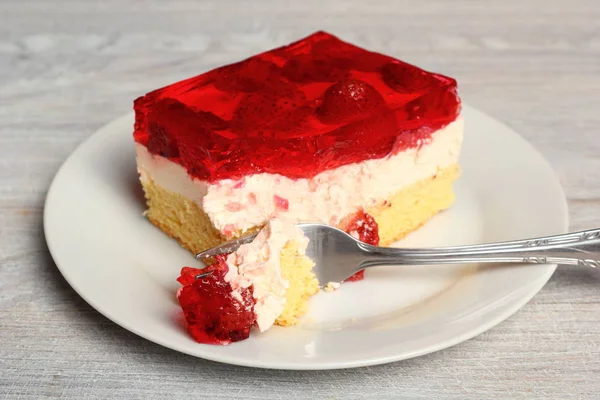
x=180 y=218
x=296 y=268
x=414 y=205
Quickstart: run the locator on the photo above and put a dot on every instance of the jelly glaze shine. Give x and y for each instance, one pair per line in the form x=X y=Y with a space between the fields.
x=297 y=110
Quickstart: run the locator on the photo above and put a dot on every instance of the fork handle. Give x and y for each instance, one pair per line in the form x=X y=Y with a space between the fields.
x=579 y=248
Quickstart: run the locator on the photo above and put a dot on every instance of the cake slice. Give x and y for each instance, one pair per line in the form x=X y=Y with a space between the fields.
x=316 y=131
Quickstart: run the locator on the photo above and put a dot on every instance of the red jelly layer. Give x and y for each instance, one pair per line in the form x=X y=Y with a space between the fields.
x=212 y=313
x=298 y=110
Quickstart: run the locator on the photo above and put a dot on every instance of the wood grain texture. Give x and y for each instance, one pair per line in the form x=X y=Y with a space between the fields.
x=67 y=67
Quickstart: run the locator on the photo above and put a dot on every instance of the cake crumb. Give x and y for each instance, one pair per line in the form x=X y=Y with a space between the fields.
x=332 y=286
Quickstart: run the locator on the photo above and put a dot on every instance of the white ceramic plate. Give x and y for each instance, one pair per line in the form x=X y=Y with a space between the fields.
x=126 y=268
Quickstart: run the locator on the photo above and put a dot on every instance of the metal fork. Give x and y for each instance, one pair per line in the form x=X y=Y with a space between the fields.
x=337 y=255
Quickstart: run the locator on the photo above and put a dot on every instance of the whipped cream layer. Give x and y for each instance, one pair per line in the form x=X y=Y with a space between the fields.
x=234 y=206
x=257 y=264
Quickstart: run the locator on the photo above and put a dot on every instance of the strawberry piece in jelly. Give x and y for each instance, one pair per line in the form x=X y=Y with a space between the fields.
x=348 y=100
x=248 y=76
x=310 y=68
x=363 y=227
x=161 y=143
x=214 y=314
x=249 y=115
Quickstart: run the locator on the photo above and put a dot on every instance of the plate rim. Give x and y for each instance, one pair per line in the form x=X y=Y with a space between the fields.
x=506 y=312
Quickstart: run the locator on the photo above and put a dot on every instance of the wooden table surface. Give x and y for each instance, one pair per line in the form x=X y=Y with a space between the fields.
x=68 y=67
